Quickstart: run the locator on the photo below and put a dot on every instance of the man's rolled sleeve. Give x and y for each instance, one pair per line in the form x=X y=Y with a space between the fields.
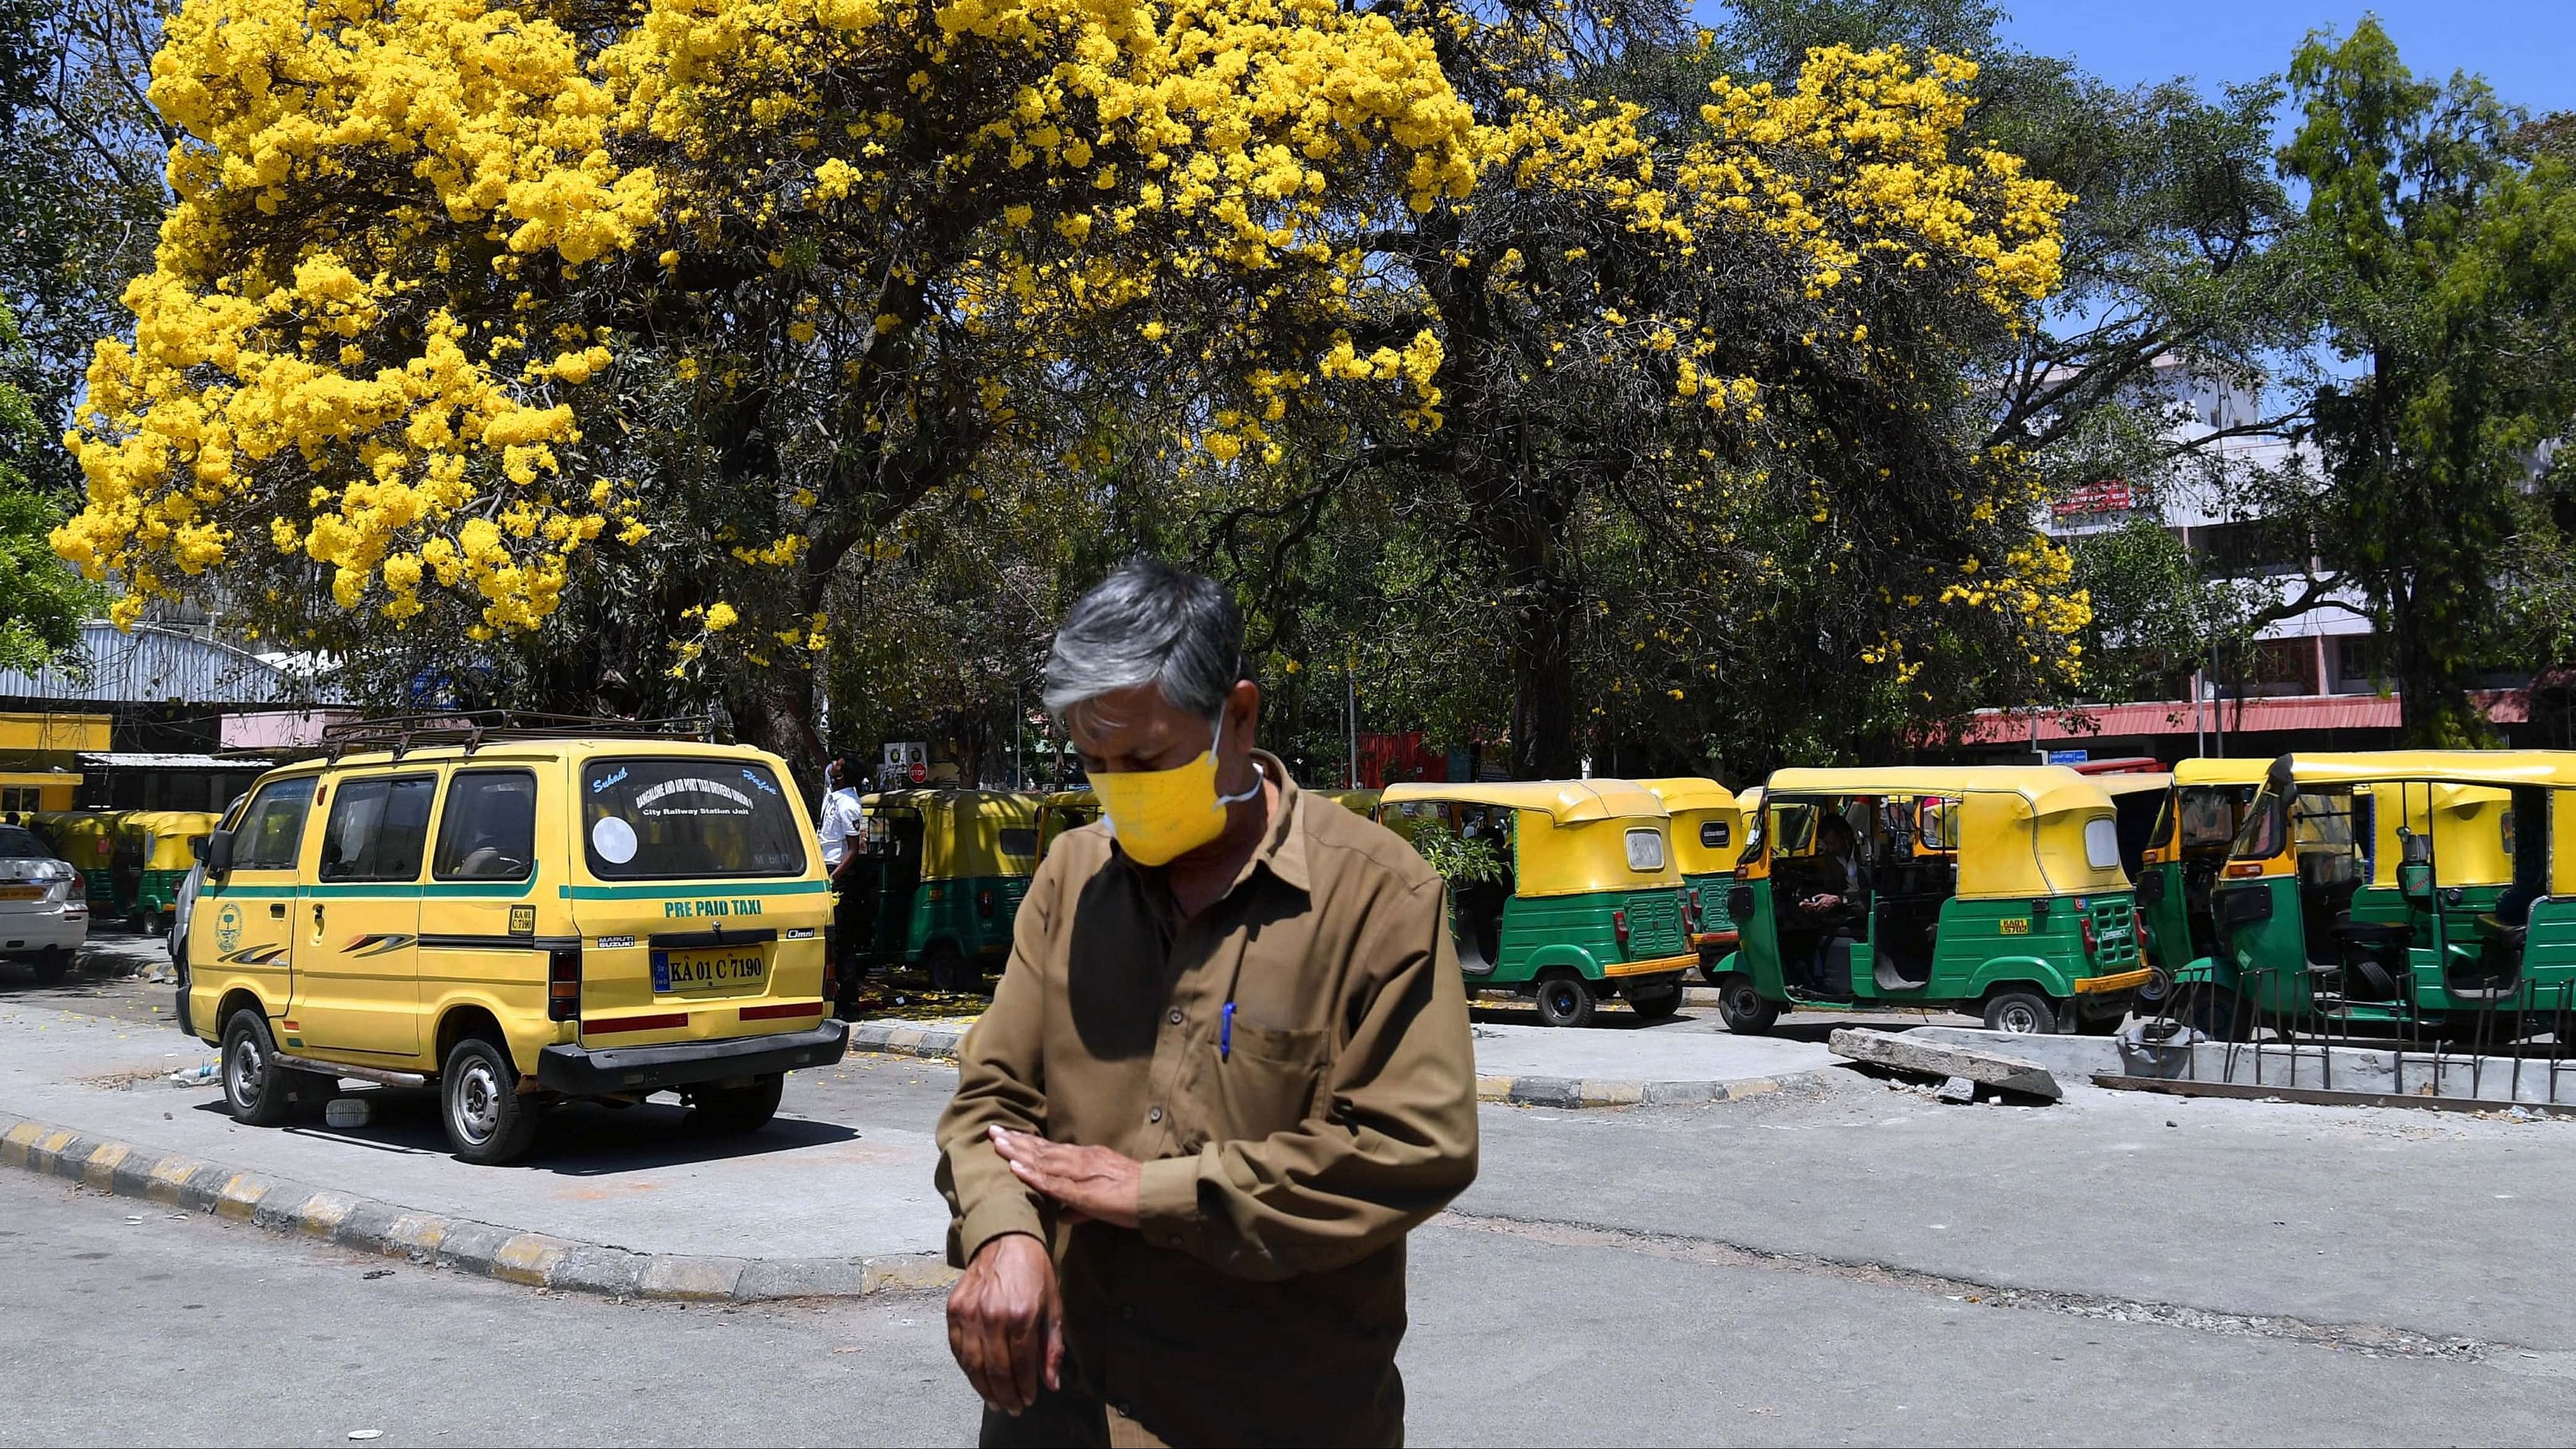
x=1001 y=1082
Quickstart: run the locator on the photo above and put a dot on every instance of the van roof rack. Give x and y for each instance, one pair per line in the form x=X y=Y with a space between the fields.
x=474 y=728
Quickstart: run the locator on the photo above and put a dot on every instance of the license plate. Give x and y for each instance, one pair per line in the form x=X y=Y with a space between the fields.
x=22 y=893
x=743 y=970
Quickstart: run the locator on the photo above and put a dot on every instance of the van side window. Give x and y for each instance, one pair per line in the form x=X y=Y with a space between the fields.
x=490 y=829
x=273 y=826
x=379 y=829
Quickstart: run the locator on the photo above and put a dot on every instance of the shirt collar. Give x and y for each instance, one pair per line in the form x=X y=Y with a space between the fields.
x=1283 y=849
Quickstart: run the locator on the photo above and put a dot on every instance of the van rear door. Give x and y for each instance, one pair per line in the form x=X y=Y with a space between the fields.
x=703 y=909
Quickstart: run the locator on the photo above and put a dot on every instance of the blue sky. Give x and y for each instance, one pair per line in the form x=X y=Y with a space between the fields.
x=2525 y=48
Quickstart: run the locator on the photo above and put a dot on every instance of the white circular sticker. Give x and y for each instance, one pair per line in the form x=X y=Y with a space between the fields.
x=614 y=839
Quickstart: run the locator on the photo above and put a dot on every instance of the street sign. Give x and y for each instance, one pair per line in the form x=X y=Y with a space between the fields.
x=2091 y=500
x=2069 y=757
x=920 y=773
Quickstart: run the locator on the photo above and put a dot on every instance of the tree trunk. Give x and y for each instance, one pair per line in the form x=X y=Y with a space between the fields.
x=2433 y=703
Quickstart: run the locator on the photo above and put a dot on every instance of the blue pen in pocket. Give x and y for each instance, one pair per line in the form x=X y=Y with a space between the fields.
x=1225 y=1033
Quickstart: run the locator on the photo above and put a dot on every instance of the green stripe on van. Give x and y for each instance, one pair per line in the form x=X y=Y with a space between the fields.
x=717 y=886
x=384 y=891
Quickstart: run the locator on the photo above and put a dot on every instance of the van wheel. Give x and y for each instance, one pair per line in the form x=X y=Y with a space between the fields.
x=950 y=971
x=2022 y=1011
x=1656 y=1005
x=479 y=1104
x=736 y=1109
x=53 y=966
x=258 y=1091
x=1564 y=999
x=1743 y=1007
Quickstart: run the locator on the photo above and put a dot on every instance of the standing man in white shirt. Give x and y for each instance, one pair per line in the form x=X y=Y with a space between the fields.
x=853 y=913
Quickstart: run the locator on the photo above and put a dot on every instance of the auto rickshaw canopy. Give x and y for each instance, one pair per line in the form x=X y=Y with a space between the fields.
x=2461 y=799
x=1570 y=837
x=2243 y=771
x=1362 y=803
x=86 y=838
x=969 y=833
x=1695 y=804
x=166 y=833
x=2021 y=830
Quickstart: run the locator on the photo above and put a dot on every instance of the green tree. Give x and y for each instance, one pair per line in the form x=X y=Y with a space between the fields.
x=2451 y=257
x=42 y=601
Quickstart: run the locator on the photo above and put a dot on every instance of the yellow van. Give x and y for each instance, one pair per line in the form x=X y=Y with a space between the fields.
x=521 y=919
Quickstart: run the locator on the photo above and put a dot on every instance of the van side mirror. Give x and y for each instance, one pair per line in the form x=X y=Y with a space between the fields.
x=219 y=855
x=2415 y=881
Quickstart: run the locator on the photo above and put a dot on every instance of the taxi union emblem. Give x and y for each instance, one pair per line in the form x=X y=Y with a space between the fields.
x=228 y=929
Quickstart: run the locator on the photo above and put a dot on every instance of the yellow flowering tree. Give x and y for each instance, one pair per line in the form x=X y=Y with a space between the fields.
x=1708 y=401
x=610 y=345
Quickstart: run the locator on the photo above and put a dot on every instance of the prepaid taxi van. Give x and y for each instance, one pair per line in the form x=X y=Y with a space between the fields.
x=519 y=917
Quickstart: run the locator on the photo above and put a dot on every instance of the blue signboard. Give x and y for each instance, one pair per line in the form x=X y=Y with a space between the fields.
x=2069 y=757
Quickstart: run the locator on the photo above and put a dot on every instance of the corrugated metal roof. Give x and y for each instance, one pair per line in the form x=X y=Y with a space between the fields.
x=162 y=666
x=2174 y=717
x=137 y=760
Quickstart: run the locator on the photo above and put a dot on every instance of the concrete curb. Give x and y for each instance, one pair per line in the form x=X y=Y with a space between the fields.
x=366 y=1225
x=940 y=1043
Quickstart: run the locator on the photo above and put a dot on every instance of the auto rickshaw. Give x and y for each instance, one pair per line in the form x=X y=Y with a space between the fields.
x=1362 y=803
x=2400 y=890
x=2189 y=844
x=1064 y=810
x=1708 y=837
x=1994 y=889
x=87 y=838
x=945 y=873
x=1566 y=891
x=167 y=841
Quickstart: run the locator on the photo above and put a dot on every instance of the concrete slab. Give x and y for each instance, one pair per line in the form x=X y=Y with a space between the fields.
x=1956 y=1064
x=814 y=1184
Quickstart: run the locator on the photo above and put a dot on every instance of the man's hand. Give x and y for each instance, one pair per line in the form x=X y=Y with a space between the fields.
x=1092 y=1182
x=1005 y=1324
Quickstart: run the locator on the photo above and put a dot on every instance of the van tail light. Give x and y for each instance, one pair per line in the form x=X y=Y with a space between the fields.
x=1619 y=924
x=831 y=963
x=563 y=983
x=984 y=903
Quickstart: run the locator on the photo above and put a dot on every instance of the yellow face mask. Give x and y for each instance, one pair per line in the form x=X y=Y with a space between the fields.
x=1160 y=815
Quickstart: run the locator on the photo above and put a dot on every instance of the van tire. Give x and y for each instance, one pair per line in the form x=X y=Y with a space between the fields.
x=1743 y=1007
x=730 y=1110
x=2021 y=1010
x=1564 y=998
x=950 y=971
x=487 y=1121
x=257 y=1091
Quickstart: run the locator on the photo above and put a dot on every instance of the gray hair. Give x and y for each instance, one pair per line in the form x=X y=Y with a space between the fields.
x=1149 y=623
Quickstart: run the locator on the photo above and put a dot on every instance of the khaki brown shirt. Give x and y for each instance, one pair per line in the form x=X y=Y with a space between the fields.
x=1261 y=1299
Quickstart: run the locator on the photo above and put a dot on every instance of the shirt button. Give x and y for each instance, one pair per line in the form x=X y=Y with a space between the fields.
x=1153 y=1114
x=1176 y=1016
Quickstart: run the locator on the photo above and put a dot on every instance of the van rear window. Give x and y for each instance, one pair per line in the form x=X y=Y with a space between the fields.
x=646 y=819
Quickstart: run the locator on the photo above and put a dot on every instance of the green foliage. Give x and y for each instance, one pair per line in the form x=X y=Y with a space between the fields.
x=1460 y=861
x=2451 y=259
x=42 y=600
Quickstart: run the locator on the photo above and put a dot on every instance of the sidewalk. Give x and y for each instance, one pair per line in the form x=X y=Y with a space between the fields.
x=801 y=1189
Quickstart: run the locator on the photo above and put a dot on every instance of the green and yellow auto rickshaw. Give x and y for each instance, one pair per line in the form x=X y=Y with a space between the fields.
x=166 y=843
x=2194 y=832
x=1708 y=838
x=1995 y=890
x=88 y=839
x=1063 y=810
x=942 y=881
x=2399 y=891
x=1362 y=803
x=1565 y=891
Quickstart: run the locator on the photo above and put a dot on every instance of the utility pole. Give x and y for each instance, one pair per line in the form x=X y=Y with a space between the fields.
x=1351 y=716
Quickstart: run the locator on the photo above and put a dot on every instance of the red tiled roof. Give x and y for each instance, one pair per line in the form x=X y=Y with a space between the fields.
x=2174 y=717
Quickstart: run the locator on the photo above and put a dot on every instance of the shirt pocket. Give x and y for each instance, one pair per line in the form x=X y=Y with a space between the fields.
x=1267 y=1082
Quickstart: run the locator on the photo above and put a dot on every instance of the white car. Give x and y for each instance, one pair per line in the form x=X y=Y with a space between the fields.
x=44 y=906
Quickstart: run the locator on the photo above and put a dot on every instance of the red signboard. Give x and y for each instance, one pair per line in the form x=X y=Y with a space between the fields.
x=920 y=773
x=2087 y=500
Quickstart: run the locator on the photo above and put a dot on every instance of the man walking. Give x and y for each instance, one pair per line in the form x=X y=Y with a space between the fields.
x=1227 y=1070
x=854 y=908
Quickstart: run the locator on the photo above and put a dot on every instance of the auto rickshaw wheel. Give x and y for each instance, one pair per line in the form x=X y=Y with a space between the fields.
x=1743 y=1007
x=2023 y=1011
x=2218 y=1013
x=950 y=971
x=1658 y=1004
x=1564 y=999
